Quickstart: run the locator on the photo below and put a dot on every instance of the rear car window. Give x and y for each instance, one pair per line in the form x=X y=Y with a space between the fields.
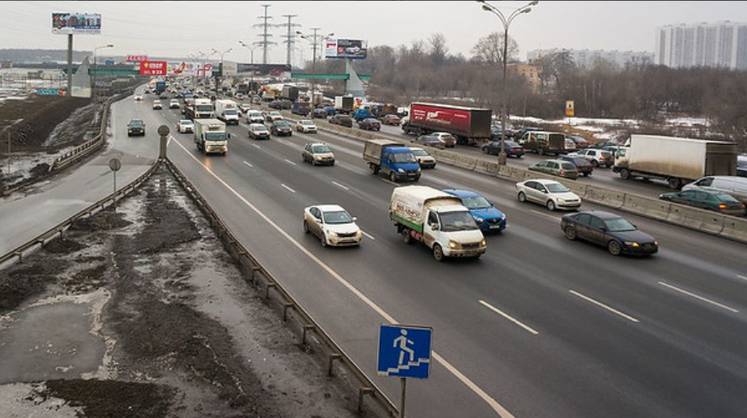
x=568 y=166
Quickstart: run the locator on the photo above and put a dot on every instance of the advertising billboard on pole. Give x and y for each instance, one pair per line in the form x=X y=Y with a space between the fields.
x=76 y=23
x=345 y=48
x=153 y=68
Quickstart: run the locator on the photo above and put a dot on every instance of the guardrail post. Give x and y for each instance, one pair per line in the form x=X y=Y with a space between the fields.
x=306 y=328
x=267 y=289
x=362 y=392
x=332 y=358
x=286 y=306
x=19 y=254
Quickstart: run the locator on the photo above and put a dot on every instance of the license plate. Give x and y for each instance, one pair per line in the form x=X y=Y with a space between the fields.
x=495 y=226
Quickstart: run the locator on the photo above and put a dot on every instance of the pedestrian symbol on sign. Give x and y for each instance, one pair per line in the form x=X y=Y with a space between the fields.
x=404 y=351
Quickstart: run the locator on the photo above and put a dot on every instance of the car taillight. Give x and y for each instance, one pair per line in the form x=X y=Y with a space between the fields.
x=722 y=206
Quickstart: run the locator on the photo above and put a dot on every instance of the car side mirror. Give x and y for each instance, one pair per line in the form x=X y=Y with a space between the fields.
x=603 y=229
x=434 y=227
x=355 y=218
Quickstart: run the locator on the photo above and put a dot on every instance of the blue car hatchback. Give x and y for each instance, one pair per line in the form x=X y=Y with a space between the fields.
x=487 y=216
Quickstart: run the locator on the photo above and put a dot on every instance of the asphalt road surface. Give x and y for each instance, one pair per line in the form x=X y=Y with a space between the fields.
x=538 y=327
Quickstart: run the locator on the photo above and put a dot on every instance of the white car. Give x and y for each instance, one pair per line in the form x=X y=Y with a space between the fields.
x=306 y=126
x=254 y=116
x=548 y=193
x=157 y=105
x=174 y=104
x=138 y=98
x=424 y=159
x=332 y=224
x=185 y=126
x=273 y=116
x=244 y=108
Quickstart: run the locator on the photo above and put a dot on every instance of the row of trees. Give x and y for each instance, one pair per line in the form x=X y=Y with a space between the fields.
x=427 y=70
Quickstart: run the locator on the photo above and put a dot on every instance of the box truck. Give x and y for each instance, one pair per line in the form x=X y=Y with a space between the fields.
x=211 y=136
x=391 y=159
x=436 y=219
x=471 y=126
x=227 y=111
x=674 y=160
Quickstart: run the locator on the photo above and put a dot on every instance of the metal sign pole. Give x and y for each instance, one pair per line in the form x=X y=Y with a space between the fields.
x=403 y=396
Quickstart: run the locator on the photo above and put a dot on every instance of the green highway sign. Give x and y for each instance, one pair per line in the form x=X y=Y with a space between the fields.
x=112 y=72
x=327 y=76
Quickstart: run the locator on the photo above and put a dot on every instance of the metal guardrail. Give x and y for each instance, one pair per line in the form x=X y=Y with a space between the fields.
x=60 y=228
x=307 y=323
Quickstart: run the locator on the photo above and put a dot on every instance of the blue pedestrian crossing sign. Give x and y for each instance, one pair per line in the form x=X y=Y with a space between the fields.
x=404 y=351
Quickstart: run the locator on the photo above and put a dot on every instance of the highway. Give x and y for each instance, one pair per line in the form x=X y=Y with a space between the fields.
x=538 y=327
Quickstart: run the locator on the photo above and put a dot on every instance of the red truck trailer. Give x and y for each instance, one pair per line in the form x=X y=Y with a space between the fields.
x=469 y=125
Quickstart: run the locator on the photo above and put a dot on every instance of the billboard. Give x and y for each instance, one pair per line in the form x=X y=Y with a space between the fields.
x=345 y=48
x=137 y=58
x=76 y=23
x=153 y=68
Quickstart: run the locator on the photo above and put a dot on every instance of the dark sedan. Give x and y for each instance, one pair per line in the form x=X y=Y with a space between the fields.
x=430 y=141
x=342 y=120
x=719 y=202
x=319 y=113
x=512 y=148
x=369 y=124
x=608 y=230
x=136 y=127
x=281 y=128
x=584 y=166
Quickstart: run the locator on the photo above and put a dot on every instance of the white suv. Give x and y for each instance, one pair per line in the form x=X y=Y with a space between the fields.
x=548 y=193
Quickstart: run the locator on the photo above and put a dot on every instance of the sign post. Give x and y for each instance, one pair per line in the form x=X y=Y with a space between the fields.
x=115 y=165
x=78 y=23
x=404 y=351
x=570 y=110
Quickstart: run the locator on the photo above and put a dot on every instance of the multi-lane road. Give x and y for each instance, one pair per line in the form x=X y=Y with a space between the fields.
x=538 y=327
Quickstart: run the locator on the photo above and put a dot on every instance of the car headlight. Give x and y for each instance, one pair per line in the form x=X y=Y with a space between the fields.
x=483 y=243
x=317 y=157
x=656 y=243
x=418 y=170
x=453 y=244
x=399 y=170
x=479 y=220
x=632 y=244
x=331 y=233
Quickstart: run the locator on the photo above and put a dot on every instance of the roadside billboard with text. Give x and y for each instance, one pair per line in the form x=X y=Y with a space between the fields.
x=153 y=68
x=137 y=58
x=345 y=48
x=76 y=23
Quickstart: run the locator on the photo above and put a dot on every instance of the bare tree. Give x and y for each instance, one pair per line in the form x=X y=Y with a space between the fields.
x=438 y=48
x=489 y=49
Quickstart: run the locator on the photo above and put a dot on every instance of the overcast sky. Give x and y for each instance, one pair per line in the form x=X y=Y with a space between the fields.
x=178 y=28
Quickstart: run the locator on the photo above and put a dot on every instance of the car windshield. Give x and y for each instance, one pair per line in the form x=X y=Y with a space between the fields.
x=186 y=122
x=619 y=225
x=229 y=112
x=320 y=149
x=556 y=188
x=337 y=217
x=136 y=122
x=475 y=202
x=568 y=166
x=215 y=136
x=205 y=108
x=403 y=157
x=306 y=122
x=419 y=152
x=274 y=113
x=255 y=113
x=282 y=123
x=258 y=128
x=457 y=221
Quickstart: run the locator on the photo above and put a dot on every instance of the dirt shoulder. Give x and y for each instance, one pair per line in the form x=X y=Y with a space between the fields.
x=141 y=313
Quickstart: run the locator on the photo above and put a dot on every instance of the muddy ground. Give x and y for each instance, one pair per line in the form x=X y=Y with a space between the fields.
x=141 y=313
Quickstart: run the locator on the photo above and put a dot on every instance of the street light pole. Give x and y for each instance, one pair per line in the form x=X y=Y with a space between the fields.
x=220 y=76
x=95 y=68
x=314 y=40
x=502 y=156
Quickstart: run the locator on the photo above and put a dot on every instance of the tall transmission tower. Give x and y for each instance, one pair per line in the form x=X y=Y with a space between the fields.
x=265 y=25
x=290 y=38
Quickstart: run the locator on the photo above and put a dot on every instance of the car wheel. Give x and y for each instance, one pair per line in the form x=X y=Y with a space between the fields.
x=306 y=227
x=550 y=205
x=625 y=174
x=614 y=247
x=392 y=177
x=522 y=197
x=406 y=237
x=594 y=163
x=324 y=240
x=570 y=233
x=438 y=253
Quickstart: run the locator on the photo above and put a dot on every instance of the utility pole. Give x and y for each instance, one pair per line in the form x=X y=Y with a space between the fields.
x=69 y=91
x=315 y=39
x=265 y=25
x=290 y=38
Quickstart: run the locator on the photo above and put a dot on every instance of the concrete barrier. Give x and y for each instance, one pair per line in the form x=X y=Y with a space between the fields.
x=486 y=167
x=578 y=188
x=735 y=228
x=653 y=208
x=695 y=218
x=611 y=198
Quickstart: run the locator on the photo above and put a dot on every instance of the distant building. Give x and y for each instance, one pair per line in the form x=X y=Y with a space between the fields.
x=720 y=44
x=586 y=58
x=530 y=72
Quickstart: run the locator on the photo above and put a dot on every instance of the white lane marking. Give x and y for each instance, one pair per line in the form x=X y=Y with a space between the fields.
x=368 y=235
x=289 y=161
x=613 y=310
x=497 y=407
x=389 y=181
x=699 y=297
x=249 y=164
x=507 y=316
x=256 y=146
x=340 y=185
x=288 y=188
x=546 y=215
x=742 y=277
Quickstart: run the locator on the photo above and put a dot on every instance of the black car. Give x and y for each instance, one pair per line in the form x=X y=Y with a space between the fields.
x=275 y=104
x=319 y=113
x=136 y=127
x=281 y=128
x=512 y=148
x=369 y=124
x=608 y=230
x=584 y=166
x=342 y=120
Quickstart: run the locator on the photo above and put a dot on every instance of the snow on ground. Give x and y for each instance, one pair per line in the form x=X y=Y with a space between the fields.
x=575 y=121
x=687 y=121
x=22 y=164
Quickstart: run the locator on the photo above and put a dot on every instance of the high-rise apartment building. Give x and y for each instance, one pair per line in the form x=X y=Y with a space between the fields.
x=721 y=44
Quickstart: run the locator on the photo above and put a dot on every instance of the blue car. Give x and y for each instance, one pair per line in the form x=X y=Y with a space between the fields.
x=487 y=216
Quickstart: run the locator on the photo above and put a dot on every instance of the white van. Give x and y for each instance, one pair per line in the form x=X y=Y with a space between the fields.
x=732 y=185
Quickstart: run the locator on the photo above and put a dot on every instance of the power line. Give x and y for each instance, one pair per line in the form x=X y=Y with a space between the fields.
x=265 y=25
x=290 y=38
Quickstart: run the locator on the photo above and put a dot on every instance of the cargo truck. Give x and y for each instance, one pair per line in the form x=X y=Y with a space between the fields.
x=211 y=136
x=344 y=104
x=227 y=111
x=160 y=87
x=200 y=109
x=436 y=219
x=470 y=126
x=300 y=108
x=290 y=93
x=391 y=159
x=674 y=160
